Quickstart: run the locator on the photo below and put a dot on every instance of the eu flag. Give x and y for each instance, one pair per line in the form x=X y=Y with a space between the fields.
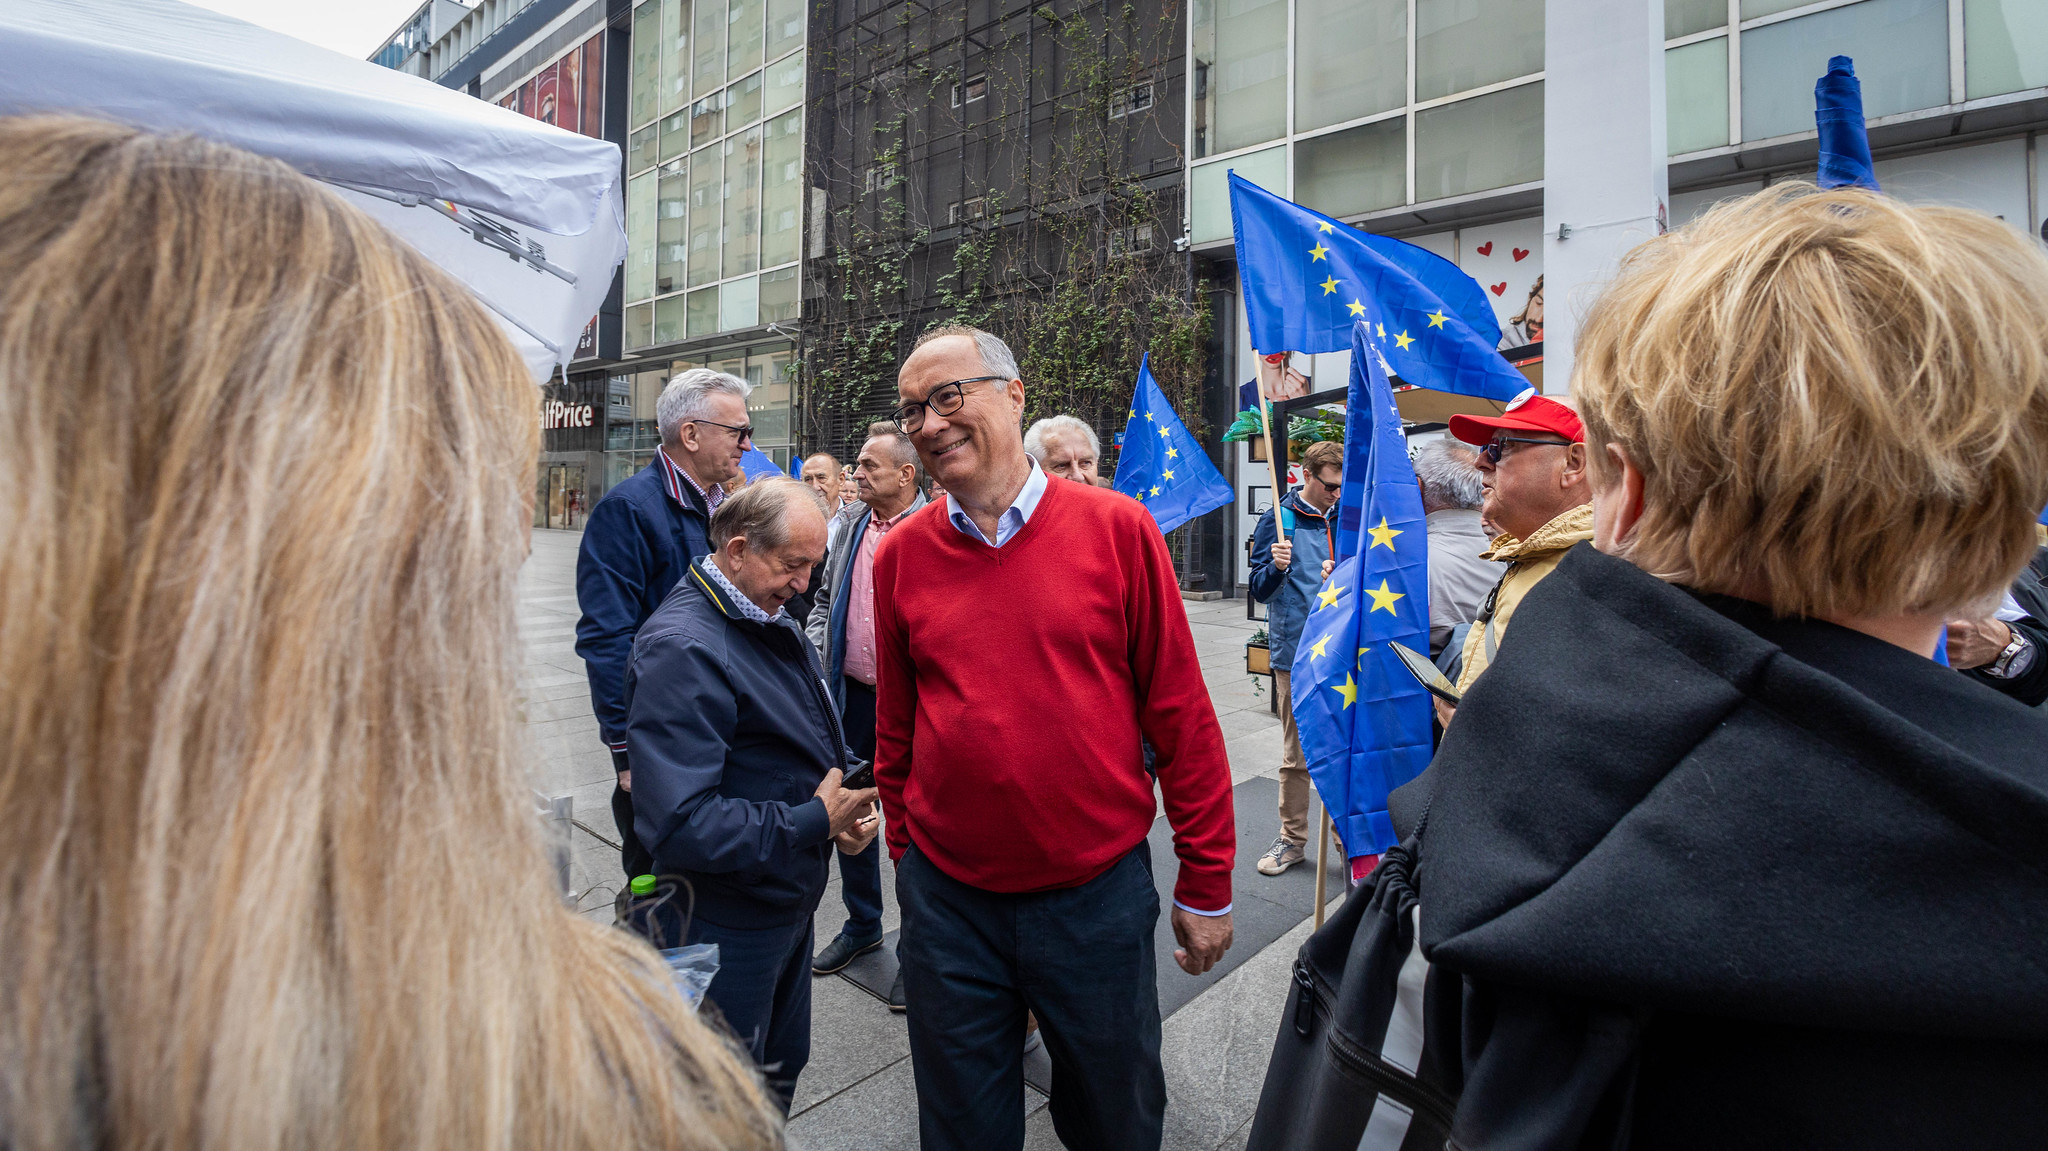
x=1844 y=142
x=1161 y=465
x=1307 y=279
x=755 y=463
x=1363 y=720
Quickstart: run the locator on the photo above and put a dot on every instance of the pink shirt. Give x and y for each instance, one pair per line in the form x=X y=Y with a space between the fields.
x=860 y=601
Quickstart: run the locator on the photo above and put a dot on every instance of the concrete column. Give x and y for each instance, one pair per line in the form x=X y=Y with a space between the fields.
x=1604 y=185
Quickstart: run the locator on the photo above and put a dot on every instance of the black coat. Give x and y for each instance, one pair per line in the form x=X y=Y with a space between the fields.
x=1717 y=880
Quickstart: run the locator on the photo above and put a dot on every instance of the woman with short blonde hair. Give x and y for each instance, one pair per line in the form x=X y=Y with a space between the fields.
x=1721 y=855
x=269 y=872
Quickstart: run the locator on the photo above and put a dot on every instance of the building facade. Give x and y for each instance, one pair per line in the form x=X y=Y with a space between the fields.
x=1425 y=120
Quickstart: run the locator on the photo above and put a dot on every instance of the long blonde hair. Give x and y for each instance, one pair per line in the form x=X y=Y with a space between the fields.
x=268 y=873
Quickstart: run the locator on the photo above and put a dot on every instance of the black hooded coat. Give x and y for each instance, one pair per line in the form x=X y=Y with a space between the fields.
x=1697 y=877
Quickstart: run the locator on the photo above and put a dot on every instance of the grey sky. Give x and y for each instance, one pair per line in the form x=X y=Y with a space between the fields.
x=355 y=28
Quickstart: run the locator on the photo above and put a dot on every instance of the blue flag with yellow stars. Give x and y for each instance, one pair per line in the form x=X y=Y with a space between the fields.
x=1161 y=465
x=1363 y=719
x=1307 y=279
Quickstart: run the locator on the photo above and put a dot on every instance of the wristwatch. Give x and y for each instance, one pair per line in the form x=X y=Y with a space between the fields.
x=2017 y=657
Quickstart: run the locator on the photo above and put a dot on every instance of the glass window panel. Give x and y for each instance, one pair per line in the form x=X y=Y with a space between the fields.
x=1901 y=53
x=671 y=240
x=742 y=202
x=1487 y=142
x=675 y=135
x=2005 y=46
x=1685 y=17
x=707 y=119
x=1350 y=59
x=743 y=103
x=640 y=149
x=785 y=26
x=743 y=37
x=1240 y=73
x=640 y=227
x=707 y=200
x=1465 y=44
x=785 y=83
x=1266 y=168
x=708 y=51
x=639 y=325
x=1357 y=170
x=1751 y=9
x=646 y=80
x=668 y=319
x=703 y=310
x=782 y=190
x=675 y=54
x=779 y=303
x=1696 y=96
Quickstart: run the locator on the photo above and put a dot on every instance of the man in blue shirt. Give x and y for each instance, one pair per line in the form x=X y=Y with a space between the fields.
x=640 y=539
x=1285 y=574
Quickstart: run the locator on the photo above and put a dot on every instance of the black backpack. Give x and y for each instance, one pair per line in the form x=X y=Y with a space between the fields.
x=1351 y=1067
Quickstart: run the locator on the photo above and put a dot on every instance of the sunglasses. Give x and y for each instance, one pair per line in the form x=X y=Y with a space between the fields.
x=943 y=400
x=745 y=431
x=1493 y=451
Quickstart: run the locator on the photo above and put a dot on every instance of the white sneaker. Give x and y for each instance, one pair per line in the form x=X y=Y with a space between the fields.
x=1281 y=856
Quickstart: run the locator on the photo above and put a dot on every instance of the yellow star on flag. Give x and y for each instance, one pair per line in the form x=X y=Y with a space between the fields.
x=1329 y=596
x=1382 y=536
x=1363 y=650
x=1318 y=252
x=1316 y=648
x=1437 y=318
x=1328 y=286
x=1349 y=690
x=1164 y=433
x=1403 y=340
x=1357 y=309
x=1382 y=599
x=1382 y=330
x=1172 y=452
x=1148 y=417
x=1134 y=413
x=1155 y=491
x=1325 y=226
x=1165 y=475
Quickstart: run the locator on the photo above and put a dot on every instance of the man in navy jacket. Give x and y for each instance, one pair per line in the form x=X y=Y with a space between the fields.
x=738 y=757
x=639 y=540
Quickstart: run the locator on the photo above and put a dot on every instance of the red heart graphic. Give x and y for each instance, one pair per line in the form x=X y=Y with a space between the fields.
x=1485 y=249
x=1520 y=254
x=1497 y=289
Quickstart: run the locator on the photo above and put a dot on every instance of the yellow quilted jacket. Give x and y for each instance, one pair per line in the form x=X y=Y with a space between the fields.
x=1528 y=562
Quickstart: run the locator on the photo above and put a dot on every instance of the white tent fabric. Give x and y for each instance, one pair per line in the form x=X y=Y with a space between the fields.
x=467 y=183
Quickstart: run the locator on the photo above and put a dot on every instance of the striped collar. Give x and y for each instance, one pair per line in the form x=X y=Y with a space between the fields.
x=727 y=597
x=673 y=477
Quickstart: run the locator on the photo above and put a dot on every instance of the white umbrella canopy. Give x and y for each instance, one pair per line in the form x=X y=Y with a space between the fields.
x=527 y=215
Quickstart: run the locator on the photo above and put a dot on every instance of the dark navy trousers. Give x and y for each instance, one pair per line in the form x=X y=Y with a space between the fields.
x=860 y=876
x=763 y=989
x=1081 y=959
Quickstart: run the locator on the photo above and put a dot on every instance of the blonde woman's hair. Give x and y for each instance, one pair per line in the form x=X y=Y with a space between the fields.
x=1839 y=402
x=269 y=873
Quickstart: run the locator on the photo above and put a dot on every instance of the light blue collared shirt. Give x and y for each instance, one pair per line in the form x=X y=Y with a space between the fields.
x=1013 y=518
x=748 y=608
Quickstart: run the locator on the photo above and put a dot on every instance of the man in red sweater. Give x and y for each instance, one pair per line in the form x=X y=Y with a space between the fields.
x=1030 y=639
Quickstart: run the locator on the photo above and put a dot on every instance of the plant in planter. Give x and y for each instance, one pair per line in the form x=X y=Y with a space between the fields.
x=1258 y=655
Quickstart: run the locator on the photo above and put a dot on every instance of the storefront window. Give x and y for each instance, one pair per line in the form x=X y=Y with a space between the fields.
x=1901 y=53
x=1350 y=60
x=1466 y=44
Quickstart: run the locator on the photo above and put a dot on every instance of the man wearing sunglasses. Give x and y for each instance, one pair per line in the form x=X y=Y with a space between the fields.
x=1533 y=484
x=1030 y=639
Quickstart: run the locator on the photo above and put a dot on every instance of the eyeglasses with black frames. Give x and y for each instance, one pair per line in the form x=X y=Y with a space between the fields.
x=745 y=431
x=1492 y=452
x=944 y=400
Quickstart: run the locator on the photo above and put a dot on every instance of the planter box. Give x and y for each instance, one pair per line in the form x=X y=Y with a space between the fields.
x=1258 y=659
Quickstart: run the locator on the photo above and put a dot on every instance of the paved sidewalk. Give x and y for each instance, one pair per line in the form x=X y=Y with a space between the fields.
x=857 y=1091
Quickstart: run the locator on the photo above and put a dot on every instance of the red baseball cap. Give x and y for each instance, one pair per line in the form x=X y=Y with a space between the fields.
x=1527 y=412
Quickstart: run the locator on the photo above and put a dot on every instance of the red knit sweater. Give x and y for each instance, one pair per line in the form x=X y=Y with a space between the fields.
x=1013 y=685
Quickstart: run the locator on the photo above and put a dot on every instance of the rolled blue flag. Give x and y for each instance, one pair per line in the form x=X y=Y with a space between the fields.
x=1844 y=142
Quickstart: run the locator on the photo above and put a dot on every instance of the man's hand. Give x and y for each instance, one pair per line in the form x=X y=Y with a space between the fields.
x=844 y=808
x=1328 y=567
x=855 y=839
x=1444 y=712
x=1283 y=554
x=1203 y=939
x=1976 y=642
x=626 y=781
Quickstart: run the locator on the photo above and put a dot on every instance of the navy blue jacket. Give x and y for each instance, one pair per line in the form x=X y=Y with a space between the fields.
x=730 y=733
x=637 y=543
x=1288 y=591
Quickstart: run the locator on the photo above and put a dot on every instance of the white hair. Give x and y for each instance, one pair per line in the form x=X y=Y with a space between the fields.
x=688 y=397
x=1034 y=436
x=996 y=357
x=1449 y=472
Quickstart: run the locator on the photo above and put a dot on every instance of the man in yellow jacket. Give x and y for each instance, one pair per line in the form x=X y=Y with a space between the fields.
x=1532 y=464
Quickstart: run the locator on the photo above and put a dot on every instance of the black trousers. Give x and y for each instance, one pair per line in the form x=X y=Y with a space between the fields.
x=860 y=876
x=636 y=859
x=1081 y=959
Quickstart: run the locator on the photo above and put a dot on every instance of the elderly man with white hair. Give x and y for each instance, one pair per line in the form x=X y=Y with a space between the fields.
x=640 y=539
x=1066 y=447
x=1447 y=471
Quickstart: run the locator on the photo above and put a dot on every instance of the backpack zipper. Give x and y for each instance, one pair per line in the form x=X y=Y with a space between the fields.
x=1390 y=1080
